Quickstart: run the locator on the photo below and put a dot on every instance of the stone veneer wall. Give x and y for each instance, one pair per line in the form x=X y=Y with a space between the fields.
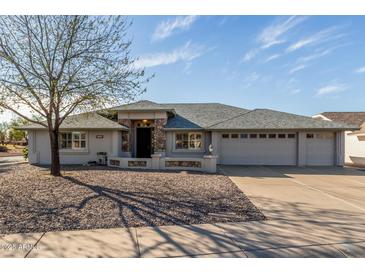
x=127 y=123
x=174 y=163
x=159 y=136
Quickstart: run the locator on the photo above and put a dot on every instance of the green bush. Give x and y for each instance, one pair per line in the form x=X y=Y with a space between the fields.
x=25 y=153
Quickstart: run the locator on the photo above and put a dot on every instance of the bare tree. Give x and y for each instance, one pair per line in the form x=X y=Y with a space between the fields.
x=59 y=65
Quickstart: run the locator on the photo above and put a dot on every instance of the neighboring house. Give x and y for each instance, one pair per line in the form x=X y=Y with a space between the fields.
x=354 y=140
x=193 y=136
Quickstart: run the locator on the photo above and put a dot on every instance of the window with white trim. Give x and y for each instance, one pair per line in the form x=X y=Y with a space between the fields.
x=188 y=140
x=72 y=140
x=66 y=140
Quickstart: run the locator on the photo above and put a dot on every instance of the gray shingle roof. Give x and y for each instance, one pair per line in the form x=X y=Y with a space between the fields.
x=89 y=120
x=219 y=117
x=271 y=119
x=143 y=105
x=209 y=116
x=201 y=115
x=187 y=116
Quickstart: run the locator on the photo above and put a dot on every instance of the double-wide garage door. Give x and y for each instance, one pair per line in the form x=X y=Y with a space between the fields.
x=275 y=149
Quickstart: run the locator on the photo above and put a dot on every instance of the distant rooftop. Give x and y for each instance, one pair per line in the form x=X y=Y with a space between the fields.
x=350 y=118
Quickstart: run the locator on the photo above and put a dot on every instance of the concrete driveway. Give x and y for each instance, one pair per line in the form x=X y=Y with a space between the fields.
x=321 y=208
x=312 y=212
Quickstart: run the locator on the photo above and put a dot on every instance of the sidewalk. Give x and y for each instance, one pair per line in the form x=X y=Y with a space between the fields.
x=252 y=239
x=11 y=160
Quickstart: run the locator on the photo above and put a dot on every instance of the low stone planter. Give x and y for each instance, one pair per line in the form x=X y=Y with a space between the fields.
x=206 y=164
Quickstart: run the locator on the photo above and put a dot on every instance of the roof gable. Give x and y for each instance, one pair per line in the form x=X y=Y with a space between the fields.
x=143 y=105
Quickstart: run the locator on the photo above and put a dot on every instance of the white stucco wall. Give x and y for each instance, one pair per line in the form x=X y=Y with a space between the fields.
x=354 y=149
x=40 y=153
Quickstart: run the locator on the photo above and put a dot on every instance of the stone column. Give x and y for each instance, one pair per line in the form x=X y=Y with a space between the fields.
x=128 y=123
x=159 y=136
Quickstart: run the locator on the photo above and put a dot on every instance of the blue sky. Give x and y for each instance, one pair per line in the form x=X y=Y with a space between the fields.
x=302 y=65
x=297 y=64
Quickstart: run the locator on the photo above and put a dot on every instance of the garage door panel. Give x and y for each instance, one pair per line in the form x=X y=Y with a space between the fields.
x=259 y=151
x=320 y=150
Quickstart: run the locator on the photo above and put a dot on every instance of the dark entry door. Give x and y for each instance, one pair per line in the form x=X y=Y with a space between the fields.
x=143 y=142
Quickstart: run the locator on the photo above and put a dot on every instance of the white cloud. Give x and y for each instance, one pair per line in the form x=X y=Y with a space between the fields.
x=186 y=53
x=250 y=79
x=360 y=70
x=167 y=28
x=317 y=38
x=272 y=57
x=314 y=56
x=273 y=34
x=332 y=88
x=187 y=68
x=297 y=68
x=223 y=21
x=295 y=91
x=250 y=55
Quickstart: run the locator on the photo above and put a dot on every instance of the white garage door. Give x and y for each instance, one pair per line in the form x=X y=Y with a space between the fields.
x=320 y=149
x=259 y=149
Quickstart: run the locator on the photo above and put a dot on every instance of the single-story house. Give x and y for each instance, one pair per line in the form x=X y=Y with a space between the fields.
x=354 y=139
x=192 y=136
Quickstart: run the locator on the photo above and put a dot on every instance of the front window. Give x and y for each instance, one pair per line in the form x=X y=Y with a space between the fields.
x=72 y=140
x=66 y=140
x=188 y=141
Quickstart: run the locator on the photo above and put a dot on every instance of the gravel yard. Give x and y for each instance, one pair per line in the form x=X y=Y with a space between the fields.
x=99 y=197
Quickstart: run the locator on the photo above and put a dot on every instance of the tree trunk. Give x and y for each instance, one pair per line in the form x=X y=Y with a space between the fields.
x=55 y=155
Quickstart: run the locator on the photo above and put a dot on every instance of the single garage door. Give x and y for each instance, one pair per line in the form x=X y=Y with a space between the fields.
x=320 y=149
x=259 y=149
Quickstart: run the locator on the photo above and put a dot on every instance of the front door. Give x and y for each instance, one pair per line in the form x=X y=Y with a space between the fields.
x=144 y=142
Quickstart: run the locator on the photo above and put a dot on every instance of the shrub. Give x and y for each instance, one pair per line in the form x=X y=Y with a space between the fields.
x=25 y=153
